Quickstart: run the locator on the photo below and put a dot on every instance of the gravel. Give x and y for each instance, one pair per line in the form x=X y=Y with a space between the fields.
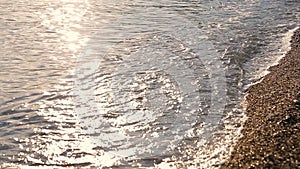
x=271 y=134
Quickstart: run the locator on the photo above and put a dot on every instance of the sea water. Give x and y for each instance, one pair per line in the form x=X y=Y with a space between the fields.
x=131 y=84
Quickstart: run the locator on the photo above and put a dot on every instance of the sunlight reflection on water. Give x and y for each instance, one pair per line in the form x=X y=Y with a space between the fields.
x=152 y=74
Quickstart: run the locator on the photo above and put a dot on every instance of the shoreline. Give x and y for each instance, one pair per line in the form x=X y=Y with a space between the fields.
x=271 y=133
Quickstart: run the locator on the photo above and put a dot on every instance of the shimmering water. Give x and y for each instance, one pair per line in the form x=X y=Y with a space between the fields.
x=131 y=84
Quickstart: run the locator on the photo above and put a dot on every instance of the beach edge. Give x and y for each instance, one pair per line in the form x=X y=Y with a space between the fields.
x=272 y=131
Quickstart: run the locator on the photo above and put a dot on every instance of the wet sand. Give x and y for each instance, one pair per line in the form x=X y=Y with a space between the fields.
x=271 y=134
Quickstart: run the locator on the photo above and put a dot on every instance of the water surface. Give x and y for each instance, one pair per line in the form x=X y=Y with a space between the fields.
x=131 y=83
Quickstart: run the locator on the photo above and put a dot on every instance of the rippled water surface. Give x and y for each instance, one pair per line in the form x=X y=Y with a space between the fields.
x=131 y=84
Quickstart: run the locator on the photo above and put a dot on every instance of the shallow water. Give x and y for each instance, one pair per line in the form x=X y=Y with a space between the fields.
x=133 y=83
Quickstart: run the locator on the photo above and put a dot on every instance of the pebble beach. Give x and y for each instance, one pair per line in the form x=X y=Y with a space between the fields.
x=271 y=133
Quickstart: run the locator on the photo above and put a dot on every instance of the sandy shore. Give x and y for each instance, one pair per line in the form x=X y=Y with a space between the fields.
x=272 y=132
